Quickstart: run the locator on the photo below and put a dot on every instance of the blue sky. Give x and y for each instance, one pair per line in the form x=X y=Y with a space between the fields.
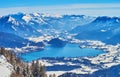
x=102 y=9
x=81 y=7
x=23 y=3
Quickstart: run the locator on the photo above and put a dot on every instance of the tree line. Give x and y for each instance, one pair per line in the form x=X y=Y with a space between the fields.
x=22 y=69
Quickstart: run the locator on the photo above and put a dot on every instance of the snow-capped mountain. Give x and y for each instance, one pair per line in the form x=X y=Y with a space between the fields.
x=106 y=29
x=33 y=25
x=13 y=24
x=18 y=29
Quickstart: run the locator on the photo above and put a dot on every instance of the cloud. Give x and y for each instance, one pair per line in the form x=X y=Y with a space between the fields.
x=82 y=9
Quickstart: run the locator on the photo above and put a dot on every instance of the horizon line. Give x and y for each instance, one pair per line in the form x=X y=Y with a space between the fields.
x=82 y=9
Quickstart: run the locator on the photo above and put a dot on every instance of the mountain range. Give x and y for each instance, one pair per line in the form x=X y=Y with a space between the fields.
x=105 y=29
x=15 y=29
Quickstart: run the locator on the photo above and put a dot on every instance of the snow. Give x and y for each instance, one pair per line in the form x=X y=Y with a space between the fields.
x=103 y=30
x=40 y=20
x=69 y=37
x=39 y=30
x=70 y=63
x=59 y=63
x=13 y=21
x=109 y=59
x=84 y=70
x=36 y=14
x=13 y=27
x=107 y=65
x=45 y=63
x=41 y=38
x=117 y=20
x=27 y=18
x=57 y=73
x=5 y=67
x=26 y=49
x=36 y=18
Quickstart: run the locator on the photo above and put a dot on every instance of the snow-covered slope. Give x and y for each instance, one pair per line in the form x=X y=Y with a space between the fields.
x=12 y=41
x=5 y=68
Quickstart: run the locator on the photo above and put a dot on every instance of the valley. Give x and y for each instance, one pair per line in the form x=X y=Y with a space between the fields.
x=75 y=45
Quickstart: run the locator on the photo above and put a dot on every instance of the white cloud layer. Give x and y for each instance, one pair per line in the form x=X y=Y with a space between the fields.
x=82 y=9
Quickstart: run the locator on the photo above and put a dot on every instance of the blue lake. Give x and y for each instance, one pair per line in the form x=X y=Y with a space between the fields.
x=70 y=50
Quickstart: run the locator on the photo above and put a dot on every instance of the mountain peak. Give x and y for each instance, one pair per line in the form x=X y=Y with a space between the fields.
x=26 y=18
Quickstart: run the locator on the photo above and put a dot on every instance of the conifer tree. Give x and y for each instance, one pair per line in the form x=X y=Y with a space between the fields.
x=50 y=75
x=24 y=73
x=2 y=51
x=18 y=70
x=54 y=75
x=43 y=71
